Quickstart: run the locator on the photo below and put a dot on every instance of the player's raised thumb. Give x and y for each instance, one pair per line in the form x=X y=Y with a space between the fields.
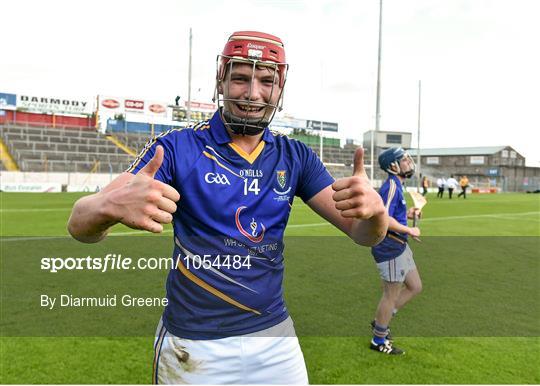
x=151 y=168
x=358 y=165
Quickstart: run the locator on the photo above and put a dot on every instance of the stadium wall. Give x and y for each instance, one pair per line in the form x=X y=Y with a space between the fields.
x=123 y=126
x=34 y=181
x=47 y=119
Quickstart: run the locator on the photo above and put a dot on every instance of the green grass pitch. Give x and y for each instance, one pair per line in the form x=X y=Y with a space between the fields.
x=477 y=321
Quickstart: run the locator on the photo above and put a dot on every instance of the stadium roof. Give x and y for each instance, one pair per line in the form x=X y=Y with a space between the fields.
x=481 y=150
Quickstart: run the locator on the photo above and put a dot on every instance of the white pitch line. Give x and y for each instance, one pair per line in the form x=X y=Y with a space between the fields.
x=30 y=238
x=135 y=232
x=492 y=215
x=317 y=224
x=524 y=218
x=501 y=216
x=34 y=210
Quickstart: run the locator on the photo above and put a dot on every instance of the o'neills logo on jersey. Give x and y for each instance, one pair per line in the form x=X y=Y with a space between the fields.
x=251 y=173
x=254 y=234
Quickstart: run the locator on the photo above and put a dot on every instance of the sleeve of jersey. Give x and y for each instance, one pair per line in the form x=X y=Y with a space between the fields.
x=313 y=177
x=165 y=173
x=389 y=195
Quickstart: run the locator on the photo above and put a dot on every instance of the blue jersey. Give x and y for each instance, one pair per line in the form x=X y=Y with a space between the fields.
x=394 y=243
x=232 y=212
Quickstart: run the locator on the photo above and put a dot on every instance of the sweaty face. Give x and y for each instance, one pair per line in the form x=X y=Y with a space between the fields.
x=250 y=93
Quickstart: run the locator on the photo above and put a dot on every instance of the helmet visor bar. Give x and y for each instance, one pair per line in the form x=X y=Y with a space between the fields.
x=252 y=115
x=412 y=166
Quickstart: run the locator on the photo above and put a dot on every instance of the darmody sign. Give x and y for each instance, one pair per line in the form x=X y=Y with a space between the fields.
x=50 y=104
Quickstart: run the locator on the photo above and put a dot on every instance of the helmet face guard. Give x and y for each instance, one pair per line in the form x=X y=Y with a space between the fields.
x=390 y=159
x=408 y=173
x=261 y=52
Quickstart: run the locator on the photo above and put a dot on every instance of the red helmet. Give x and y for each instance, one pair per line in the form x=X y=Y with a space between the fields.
x=257 y=49
x=253 y=45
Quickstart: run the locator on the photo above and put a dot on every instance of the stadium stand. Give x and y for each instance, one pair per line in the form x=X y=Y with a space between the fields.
x=134 y=141
x=339 y=159
x=42 y=148
x=81 y=149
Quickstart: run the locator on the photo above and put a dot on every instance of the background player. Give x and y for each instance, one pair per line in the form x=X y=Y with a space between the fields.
x=400 y=278
x=227 y=185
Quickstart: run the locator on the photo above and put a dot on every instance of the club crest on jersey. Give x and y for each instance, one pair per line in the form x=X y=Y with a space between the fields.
x=255 y=235
x=281 y=176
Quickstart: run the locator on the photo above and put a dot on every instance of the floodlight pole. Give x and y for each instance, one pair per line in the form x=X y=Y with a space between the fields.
x=378 y=104
x=418 y=143
x=321 y=143
x=322 y=109
x=189 y=80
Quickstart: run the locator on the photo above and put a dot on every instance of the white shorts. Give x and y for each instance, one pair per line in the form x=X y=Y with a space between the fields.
x=396 y=270
x=275 y=358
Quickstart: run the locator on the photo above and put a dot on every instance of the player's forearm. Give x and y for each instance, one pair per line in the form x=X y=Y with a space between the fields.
x=394 y=225
x=370 y=232
x=89 y=221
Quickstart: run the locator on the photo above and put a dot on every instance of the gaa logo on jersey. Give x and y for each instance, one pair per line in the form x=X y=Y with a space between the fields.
x=216 y=178
x=281 y=176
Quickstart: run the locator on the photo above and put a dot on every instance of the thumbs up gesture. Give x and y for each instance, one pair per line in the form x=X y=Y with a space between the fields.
x=145 y=203
x=354 y=196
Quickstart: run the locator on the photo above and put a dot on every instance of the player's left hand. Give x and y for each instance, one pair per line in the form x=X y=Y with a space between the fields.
x=354 y=196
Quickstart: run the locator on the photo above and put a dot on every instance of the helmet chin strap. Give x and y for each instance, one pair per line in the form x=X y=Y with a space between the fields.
x=244 y=126
x=407 y=174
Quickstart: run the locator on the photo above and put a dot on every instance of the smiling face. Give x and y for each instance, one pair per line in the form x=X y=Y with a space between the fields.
x=250 y=92
x=250 y=76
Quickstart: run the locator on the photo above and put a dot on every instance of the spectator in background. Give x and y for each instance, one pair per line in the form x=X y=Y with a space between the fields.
x=452 y=184
x=464 y=183
x=425 y=184
x=441 y=182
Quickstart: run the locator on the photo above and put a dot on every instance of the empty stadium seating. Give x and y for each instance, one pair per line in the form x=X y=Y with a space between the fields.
x=331 y=154
x=135 y=141
x=59 y=150
x=39 y=148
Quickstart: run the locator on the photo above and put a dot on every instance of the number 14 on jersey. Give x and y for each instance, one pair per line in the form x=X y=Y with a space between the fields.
x=251 y=186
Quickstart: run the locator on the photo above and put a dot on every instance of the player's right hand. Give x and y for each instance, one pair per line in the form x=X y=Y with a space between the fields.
x=414 y=232
x=144 y=203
